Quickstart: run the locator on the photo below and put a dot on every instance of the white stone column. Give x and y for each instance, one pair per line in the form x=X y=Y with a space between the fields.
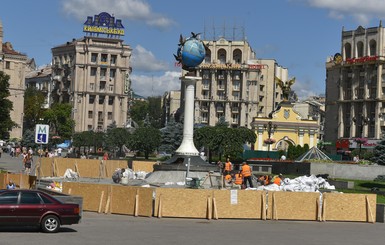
x=187 y=146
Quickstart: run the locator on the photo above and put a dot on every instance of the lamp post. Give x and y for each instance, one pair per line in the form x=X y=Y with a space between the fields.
x=269 y=128
x=360 y=123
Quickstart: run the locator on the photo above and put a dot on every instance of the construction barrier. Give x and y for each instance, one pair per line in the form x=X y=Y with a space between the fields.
x=143 y=166
x=22 y=181
x=224 y=204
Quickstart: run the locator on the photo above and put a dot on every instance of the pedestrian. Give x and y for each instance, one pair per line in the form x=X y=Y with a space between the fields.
x=11 y=185
x=105 y=156
x=28 y=163
x=246 y=173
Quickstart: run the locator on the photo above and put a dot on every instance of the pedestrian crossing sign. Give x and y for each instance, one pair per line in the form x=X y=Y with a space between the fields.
x=41 y=134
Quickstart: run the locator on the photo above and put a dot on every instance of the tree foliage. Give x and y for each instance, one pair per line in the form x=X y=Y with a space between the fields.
x=116 y=138
x=138 y=111
x=379 y=153
x=171 y=136
x=145 y=139
x=33 y=102
x=58 y=117
x=223 y=140
x=6 y=106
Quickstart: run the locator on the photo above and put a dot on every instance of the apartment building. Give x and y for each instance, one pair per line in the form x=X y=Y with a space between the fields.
x=235 y=84
x=16 y=65
x=41 y=79
x=93 y=75
x=355 y=85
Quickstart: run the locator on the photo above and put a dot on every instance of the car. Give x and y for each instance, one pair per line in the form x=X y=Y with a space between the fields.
x=22 y=207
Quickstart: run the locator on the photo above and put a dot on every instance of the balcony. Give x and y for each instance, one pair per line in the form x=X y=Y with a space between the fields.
x=205 y=108
x=235 y=109
x=205 y=86
x=220 y=109
x=236 y=88
x=221 y=87
x=221 y=77
x=206 y=76
x=236 y=77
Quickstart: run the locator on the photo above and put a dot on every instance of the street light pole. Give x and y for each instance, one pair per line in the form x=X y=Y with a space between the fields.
x=269 y=128
x=364 y=121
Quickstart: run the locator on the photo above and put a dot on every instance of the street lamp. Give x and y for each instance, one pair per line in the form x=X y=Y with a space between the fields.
x=360 y=123
x=269 y=128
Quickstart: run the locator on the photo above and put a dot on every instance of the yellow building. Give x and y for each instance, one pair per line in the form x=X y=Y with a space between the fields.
x=285 y=127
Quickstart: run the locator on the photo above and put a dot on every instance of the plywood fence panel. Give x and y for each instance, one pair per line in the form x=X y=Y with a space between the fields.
x=293 y=205
x=111 y=165
x=22 y=181
x=143 y=166
x=91 y=194
x=183 y=203
x=125 y=198
x=46 y=167
x=349 y=207
x=238 y=204
x=3 y=181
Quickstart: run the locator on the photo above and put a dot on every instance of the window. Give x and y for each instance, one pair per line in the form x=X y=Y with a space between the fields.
x=112 y=73
x=111 y=100
x=109 y=115
x=111 y=88
x=101 y=99
x=113 y=59
x=102 y=85
x=93 y=71
x=7 y=65
x=94 y=57
x=100 y=116
x=89 y=127
x=90 y=114
x=30 y=198
x=45 y=199
x=91 y=100
x=103 y=73
x=103 y=58
x=9 y=198
x=92 y=86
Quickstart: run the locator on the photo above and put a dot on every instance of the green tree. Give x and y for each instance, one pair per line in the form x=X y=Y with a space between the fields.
x=145 y=139
x=33 y=102
x=138 y=111
x=29 y=139
x=116 y=138
x=155 y=111
x=171 y=136
x=379 y=152
x=6 y=106
x=59 y=119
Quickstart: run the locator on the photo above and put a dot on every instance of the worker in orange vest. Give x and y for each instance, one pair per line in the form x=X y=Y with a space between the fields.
x=228 y=167
x=238 y=180
x=246 y=173
x=278 y=179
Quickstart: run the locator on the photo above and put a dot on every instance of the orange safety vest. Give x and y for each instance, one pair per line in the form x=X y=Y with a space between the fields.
x=246 y=170
x=228 y=166
x=238 y=179
x=228 y=177
x=277 y=180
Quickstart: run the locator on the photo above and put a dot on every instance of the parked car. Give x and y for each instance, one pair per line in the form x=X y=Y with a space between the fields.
x=36 y=208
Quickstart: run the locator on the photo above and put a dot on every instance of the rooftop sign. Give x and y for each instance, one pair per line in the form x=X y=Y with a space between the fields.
x=104 y=23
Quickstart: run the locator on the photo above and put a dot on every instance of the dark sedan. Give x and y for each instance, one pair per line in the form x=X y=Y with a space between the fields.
x=36 y=208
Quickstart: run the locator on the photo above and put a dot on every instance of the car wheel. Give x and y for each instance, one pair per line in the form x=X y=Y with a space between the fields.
x=50 y=224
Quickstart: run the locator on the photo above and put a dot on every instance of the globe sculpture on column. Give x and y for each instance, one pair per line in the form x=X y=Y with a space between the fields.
x=190 y=54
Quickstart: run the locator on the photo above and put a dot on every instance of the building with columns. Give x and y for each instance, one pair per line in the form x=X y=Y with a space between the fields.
x=16 y=65
x=355 y=85
x=93 y=75
x=235 y=84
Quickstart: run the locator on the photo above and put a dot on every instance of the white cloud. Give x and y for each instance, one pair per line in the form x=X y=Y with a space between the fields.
x=145 y=61
x=138 y=10
x=155 y=85
x=361 y=11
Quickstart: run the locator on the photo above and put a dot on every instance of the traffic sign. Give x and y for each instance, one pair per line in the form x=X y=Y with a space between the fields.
x=41 y=134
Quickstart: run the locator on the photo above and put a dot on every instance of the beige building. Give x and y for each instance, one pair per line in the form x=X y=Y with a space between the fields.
x=93 y=75
x=235 y=84
x=285 y=127
x=16 y=65
x=355 y=85
x=41 y=79
x=170 y=105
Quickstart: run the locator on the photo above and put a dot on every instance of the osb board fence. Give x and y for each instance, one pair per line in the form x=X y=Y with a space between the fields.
x=143 y=166
x=349 y=207
x=293 y=205
x=22 y=181
x=116 y=199
x=89 y=168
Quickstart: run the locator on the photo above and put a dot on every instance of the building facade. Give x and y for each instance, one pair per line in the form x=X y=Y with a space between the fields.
x=93 y=75
x=16 y=65
x=170 y=105
x=235 y=84
x=355 y=85
x=41 y=79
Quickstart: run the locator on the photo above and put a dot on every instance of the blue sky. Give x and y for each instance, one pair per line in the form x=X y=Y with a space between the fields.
x=298 y=34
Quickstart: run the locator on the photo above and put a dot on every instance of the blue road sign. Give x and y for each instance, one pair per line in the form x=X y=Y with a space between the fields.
x=41 y=133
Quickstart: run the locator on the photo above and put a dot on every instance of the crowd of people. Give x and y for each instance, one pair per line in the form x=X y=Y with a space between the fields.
x=243 y=178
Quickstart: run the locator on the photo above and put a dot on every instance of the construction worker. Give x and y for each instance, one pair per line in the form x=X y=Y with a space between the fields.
x=246 y=173
x=238 y=180
x=277 y=179
x=228 y=167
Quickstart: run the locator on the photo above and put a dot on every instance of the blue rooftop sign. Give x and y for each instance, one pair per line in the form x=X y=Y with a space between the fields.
x=104 y=23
